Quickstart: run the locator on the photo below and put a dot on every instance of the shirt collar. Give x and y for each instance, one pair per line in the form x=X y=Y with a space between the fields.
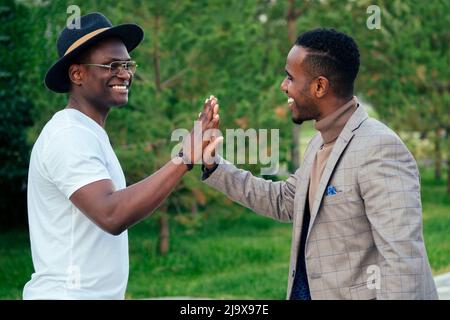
x=331 y=126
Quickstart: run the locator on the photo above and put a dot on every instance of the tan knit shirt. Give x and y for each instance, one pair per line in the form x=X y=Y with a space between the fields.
x=330 y=127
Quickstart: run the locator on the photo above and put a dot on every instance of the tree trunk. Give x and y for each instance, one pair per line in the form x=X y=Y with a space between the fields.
x=437 y=155
x=163 y=245
x=291 y=17
x=194 y=208
x=448 y=175
x=447 y=144
x=156 y=56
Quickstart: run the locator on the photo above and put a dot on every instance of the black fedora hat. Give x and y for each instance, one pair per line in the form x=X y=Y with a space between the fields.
x=71 y=42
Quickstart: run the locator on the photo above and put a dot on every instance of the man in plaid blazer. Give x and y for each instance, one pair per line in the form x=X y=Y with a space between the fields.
x=355 y=201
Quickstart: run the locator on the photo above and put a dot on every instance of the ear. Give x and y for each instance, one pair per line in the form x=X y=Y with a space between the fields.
x=321 y=85
x=76 y=74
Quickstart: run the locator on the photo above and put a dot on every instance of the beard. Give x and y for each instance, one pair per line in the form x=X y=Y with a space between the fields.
x=298 y=120
x=304 y=111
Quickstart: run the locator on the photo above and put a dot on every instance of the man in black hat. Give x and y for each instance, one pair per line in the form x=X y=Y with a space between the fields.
x=79 y=207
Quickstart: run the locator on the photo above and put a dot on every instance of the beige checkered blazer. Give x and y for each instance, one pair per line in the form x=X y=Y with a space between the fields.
x=365 y=242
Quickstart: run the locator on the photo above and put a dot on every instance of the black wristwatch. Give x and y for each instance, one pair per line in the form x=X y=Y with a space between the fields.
x=188 y=165
x=207 y=172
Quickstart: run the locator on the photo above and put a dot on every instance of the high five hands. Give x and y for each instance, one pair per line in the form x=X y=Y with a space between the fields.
x=205 y=137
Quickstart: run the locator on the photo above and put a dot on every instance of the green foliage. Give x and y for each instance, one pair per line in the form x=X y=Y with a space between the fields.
x=413 y=46
x=14 y=113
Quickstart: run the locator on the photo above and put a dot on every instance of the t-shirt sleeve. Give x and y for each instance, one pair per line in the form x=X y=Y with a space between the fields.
x=73 y=158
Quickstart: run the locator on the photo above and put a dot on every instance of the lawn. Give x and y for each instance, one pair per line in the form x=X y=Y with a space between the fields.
x=436 y=217
x=226 y=254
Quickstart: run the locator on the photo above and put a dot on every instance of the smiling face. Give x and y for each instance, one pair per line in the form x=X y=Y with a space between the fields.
x=298 y=85
x=98 y=85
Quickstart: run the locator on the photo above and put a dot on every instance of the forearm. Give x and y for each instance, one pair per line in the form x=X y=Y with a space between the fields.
x=271 y=199
x=130 y=205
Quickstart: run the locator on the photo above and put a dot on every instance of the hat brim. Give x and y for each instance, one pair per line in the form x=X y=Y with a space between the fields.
x=57 y=77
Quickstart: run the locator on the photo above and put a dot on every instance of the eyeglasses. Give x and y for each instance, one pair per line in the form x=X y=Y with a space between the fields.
x=116 y=67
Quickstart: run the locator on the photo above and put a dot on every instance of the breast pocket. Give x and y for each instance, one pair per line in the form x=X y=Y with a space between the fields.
x=340 y=197
x=345 y=206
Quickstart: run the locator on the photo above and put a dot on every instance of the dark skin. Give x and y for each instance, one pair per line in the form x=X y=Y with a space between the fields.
x=313 y=97
x=91 y=90
x=112 y=210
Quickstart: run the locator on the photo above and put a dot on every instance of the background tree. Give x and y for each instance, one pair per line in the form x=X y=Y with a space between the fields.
x=408 y=73
x=15 y=108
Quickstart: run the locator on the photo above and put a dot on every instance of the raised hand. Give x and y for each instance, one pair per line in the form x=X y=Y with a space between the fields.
x=197 y=140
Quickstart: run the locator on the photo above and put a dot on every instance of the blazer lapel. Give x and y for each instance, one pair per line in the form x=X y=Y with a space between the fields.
x=303 y=183
x=358 y=117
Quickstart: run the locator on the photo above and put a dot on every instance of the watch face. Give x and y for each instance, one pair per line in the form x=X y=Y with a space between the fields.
x=188 y=165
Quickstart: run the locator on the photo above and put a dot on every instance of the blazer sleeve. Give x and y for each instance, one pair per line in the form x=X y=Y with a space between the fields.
x=390 y=187
x=265 y=197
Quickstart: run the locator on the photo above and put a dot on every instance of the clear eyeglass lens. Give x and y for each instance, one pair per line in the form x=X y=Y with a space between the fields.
x=117 y=66
x=131 y=66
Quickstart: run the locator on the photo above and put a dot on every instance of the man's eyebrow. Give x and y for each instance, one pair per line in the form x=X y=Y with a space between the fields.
x=111 y=59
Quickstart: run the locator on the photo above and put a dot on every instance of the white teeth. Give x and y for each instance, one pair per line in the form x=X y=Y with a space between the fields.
x=119 y=87
x=290 y=101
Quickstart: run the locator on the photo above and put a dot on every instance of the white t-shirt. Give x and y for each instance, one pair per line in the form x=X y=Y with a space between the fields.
x=73 y=258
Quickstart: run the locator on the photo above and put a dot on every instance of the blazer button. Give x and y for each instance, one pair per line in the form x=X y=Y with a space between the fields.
x=293 y=273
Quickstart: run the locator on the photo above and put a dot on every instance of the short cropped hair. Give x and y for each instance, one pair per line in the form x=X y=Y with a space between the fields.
x=334 y=55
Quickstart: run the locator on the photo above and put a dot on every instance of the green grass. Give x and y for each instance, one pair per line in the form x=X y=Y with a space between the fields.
x=15 y=263
x=230 y=255
x=225 y=253
x=436 y=220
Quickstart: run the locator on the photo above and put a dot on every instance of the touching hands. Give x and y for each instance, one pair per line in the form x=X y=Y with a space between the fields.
x=212 y=138
x=204 y=138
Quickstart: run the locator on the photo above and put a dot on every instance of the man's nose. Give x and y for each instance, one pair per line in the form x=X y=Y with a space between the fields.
x=124 y=74
x=283 y=85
